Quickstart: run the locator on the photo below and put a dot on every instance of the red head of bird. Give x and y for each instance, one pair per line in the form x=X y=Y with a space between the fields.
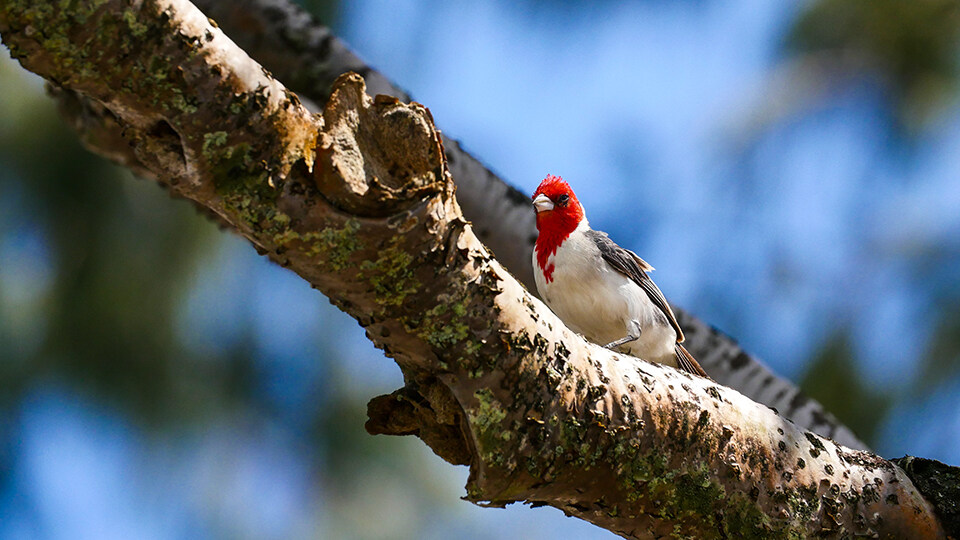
x=558 y=214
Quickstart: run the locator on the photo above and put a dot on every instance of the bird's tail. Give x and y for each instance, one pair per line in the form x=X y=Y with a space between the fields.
x=688 y=363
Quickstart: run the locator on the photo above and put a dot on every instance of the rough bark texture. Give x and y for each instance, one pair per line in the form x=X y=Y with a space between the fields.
x=360 y=203
x=940 y=484
x=308 y=58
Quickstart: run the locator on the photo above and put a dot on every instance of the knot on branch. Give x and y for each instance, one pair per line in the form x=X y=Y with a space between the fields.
x=377 y=156
x=428 y=411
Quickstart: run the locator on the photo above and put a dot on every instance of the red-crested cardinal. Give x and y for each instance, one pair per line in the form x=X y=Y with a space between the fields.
x=598 y=288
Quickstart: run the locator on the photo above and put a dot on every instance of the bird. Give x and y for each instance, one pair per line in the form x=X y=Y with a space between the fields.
x=599 y=289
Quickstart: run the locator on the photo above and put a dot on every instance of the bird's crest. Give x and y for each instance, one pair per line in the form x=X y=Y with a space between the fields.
x=553 y=186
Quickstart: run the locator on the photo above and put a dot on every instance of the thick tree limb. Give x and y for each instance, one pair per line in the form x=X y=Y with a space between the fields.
x=308 y=58
x=360 y=203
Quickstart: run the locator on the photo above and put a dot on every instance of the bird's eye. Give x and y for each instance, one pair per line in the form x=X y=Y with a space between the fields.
x=562 y=199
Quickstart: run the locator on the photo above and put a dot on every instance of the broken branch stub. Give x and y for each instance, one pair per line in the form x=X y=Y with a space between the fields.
x=375 y=167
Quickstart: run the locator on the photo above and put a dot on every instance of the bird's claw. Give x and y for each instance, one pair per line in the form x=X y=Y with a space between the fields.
x=622 y=341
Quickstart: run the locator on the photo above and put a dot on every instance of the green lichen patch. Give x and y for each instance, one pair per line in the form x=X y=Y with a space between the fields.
x=487 y=419
x=697 y=493
x=246 y=192
x=444 y=325
x=666 y=482
x=336 y=244
x=744 y=519
x=690 y=496
x=137 y=28
x=333 y=247
x=49 y=25
x=213 y=141
x=391 y=274
x=102 y=51
x=234 y=168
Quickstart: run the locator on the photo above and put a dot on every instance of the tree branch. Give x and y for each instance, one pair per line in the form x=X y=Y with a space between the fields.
x=360 y=203
x=308 y=58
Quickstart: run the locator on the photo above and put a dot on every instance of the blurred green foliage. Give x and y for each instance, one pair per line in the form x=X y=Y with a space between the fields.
x=120 y=257
x=913 y=50
x=326 y=11
x=942 y=359
x=123 y=254
x=834 y=380
x=911 y=45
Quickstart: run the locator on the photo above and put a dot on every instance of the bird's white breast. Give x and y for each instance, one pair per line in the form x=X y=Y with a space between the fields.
x=603 y=305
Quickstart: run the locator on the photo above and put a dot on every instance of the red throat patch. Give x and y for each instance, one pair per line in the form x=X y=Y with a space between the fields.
x=554 y=226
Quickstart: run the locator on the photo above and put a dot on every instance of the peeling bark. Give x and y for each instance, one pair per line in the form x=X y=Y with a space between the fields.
x=360 y=203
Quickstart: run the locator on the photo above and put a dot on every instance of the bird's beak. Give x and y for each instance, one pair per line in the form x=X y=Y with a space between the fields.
x=542 y=203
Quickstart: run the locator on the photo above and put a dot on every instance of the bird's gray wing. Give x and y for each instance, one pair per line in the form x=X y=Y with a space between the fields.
x=629 y=264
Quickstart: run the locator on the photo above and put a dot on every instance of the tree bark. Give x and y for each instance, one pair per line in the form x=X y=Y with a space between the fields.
x=359 y=201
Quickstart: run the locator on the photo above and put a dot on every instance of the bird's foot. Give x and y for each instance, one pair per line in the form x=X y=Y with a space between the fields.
x=622 y=341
